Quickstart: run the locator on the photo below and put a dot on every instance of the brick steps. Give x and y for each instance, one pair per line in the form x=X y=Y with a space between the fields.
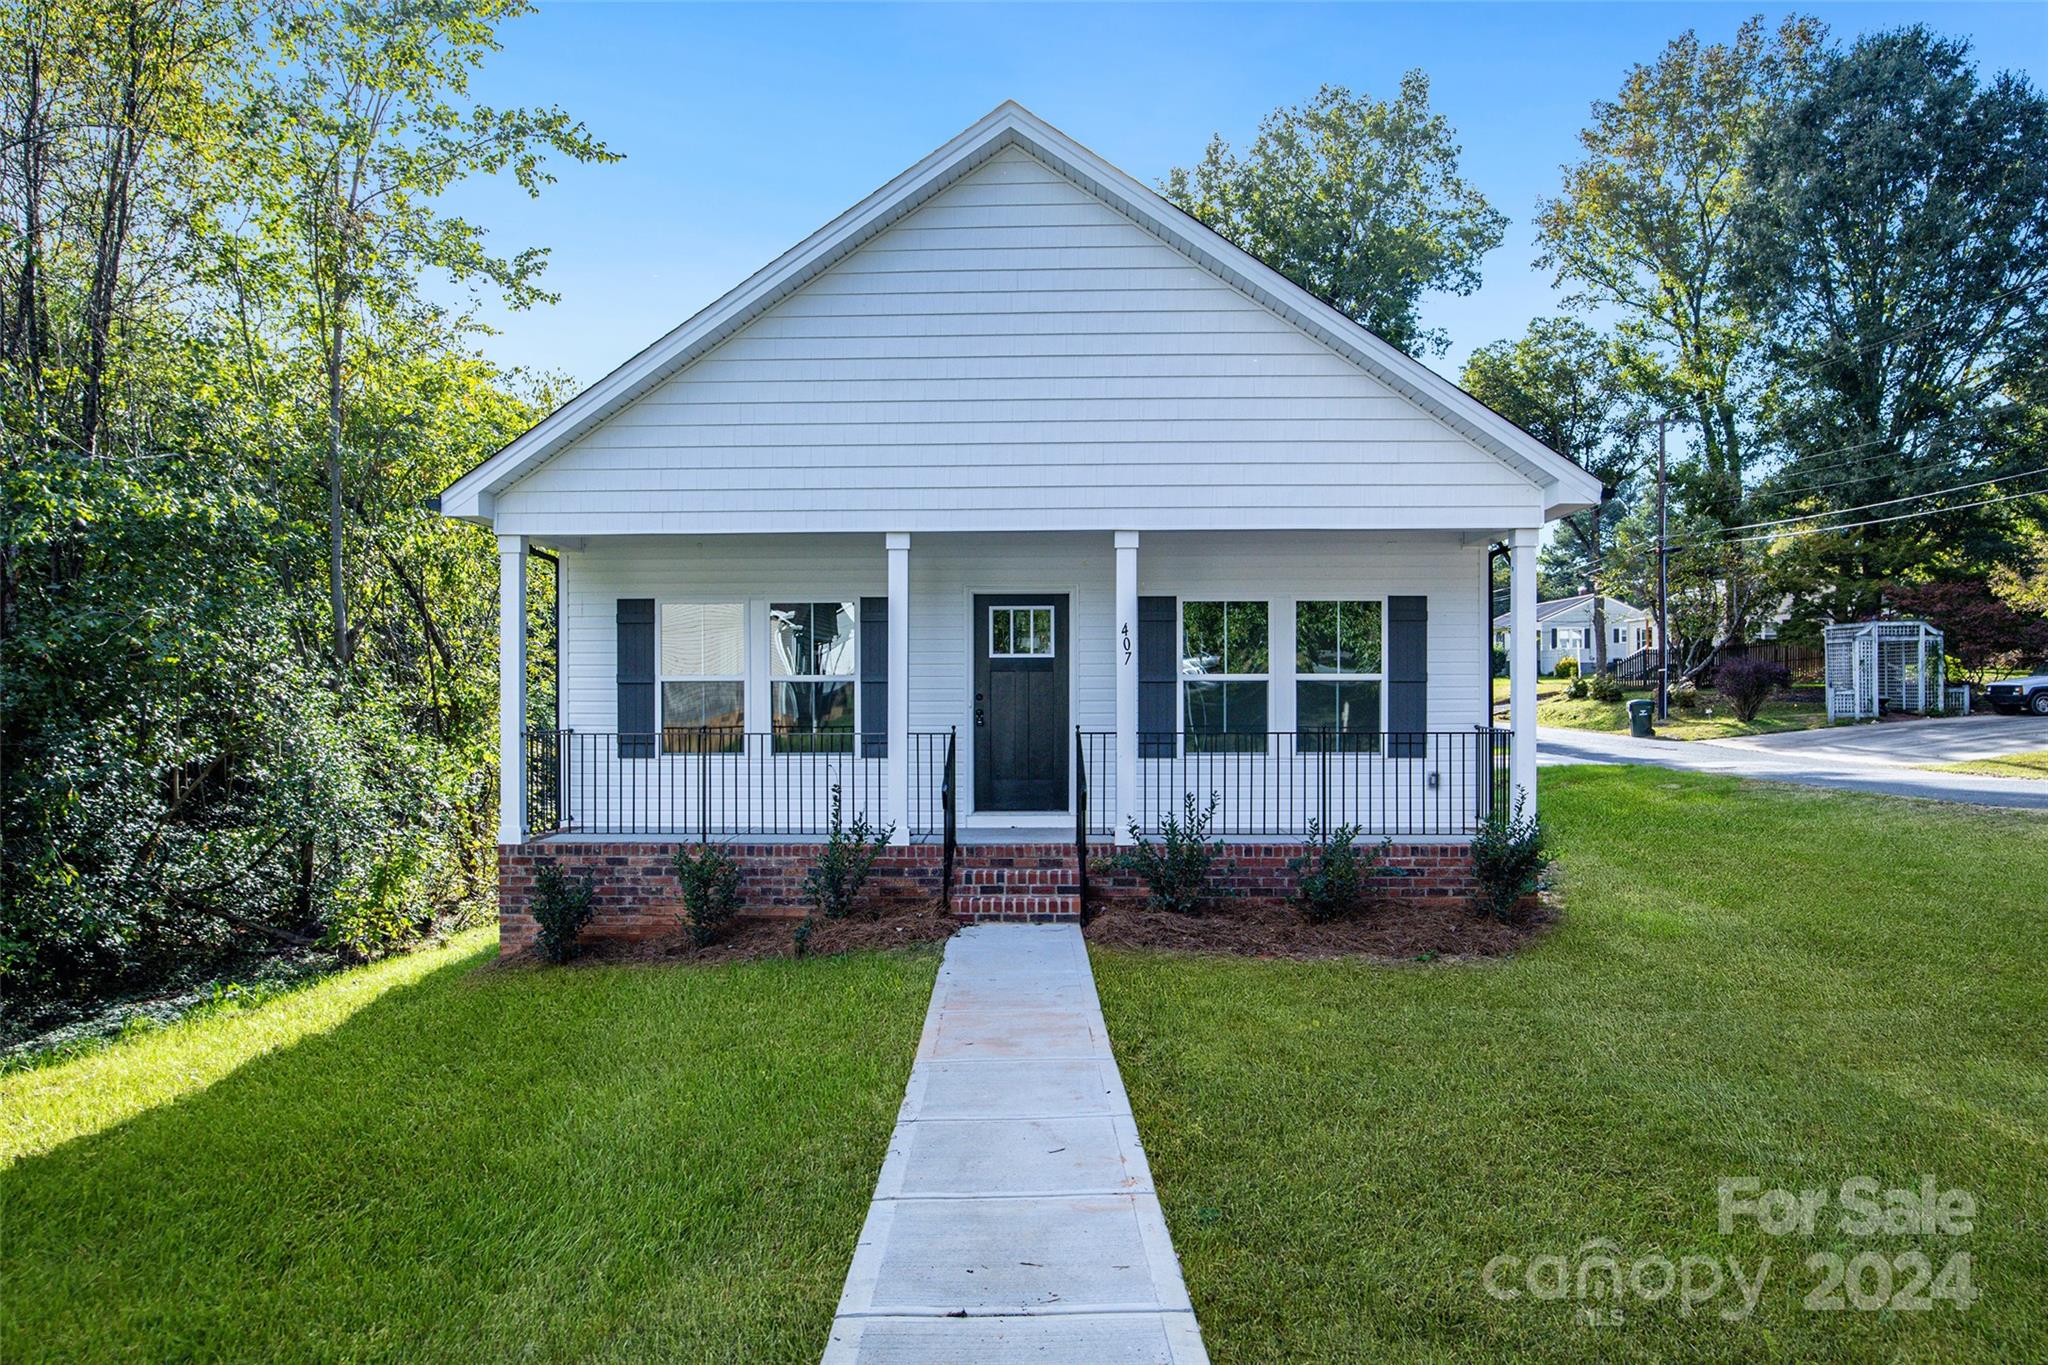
x=1010 y=883
x=1052 y=909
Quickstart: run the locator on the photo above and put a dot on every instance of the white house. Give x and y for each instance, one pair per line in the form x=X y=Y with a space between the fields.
x=1016 y=471
x=1565 y=630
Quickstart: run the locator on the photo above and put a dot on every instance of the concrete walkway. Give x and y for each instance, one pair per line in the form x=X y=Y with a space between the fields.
x=1743 y=759
x=1015 y=1218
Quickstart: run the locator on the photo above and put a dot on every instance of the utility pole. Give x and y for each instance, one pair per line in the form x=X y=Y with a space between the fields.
x=1663 y=584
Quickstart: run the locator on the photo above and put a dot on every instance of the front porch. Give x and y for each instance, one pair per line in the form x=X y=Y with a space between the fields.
x=1050 y=690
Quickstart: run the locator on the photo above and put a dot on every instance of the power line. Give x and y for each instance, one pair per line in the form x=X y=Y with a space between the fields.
x=1879 y=521
x=1888 y=502
x=1865 y=477
x=1858 y=525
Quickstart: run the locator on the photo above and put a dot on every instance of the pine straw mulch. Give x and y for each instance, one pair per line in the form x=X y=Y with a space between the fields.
x=759 y=936
x=1393 y=930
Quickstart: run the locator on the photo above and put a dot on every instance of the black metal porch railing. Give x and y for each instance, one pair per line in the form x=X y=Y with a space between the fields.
x=949 y=800
x=714 y=782
x=1270 y=785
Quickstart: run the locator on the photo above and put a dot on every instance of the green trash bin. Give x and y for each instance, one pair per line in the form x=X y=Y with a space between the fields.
x=1639 y=713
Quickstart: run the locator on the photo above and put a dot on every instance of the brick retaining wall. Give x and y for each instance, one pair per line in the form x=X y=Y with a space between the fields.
x=637 y=896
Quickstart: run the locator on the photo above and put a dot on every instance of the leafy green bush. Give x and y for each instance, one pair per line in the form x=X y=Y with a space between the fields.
x=1567 y=667
x=1500 y=662
x=1578 y=689
x=835 y=880
x=1175 y=868
x=561 y=907
x=1508 y=861
x=1333 y=868
x=711 y=892
x=1605 y=687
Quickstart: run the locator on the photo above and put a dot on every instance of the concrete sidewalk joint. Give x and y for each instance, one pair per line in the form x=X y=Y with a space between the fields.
x=1015 y=1215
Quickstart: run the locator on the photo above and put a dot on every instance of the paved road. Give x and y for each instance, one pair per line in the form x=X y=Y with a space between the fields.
x=1955 y=739
x=1015 y=1217
x=1745 y=758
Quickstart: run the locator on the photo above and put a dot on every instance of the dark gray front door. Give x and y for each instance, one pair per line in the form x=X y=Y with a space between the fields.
x=1020 y=701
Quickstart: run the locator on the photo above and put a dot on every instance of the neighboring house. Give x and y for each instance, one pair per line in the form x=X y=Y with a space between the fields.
x=1012 y=472
x=1564 y=630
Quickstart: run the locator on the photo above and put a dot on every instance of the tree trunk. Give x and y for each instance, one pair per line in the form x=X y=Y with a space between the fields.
x=1599 y=602
x=116 y=214
x=337 y=586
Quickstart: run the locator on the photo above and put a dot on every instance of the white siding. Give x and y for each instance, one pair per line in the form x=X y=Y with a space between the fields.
x=1012 y=355
x=946 y=571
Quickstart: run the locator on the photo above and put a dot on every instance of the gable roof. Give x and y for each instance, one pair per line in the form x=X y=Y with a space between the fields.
x=1565 y=486
x=1565 y=606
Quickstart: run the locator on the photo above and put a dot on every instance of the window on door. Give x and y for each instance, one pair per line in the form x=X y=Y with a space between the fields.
x=1020 y=633
x=1337 y=652
x=1224 y=664
x=703 y=662
x=812 y=664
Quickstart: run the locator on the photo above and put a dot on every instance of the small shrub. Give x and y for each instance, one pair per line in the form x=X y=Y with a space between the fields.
x=1578 y=689
x=801 y=940
x=1606 y=687
x=1567 y=667
x=1747 y=683
x=1508 y=861
x=834 y=881
x=1500 y=662
x=711 y=893
x=561 y=907
x=1686 y=696
x=1333 y=868
x=1175 y=868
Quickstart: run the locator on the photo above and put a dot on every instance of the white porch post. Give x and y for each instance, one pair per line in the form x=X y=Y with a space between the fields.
x=1126 y=645
x=1522 y=664
x=511 y=689
x=898 y=544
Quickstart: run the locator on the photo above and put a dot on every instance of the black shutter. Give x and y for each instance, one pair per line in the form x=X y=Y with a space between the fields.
x=874 y=677
x=636 y=677
x=1158 y=659
x=1407 y=676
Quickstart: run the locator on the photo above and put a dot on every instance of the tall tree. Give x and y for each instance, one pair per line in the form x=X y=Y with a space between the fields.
x=1560 y=383
x=186 y=772
x=1894 y=245
x=1359 y=201
x=1643 y=228
x=373 y=123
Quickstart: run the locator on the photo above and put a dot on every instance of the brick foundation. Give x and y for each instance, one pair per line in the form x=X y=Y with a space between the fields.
x=637 y=896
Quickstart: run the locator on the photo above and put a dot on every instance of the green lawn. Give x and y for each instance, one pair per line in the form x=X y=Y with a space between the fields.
x=427 y=1160
x=2033 y=763
x=1612 y=716
x=1766 y=981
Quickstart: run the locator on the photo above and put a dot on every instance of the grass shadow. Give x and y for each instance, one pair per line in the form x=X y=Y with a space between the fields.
x=608 y=1163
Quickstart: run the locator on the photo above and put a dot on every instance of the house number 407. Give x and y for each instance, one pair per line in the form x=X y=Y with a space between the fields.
x=1124 y=635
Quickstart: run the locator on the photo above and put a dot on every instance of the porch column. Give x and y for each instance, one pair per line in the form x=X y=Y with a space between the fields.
x=1522 y=664
x=511 y=689
x=1126 y=645
x=898 y=543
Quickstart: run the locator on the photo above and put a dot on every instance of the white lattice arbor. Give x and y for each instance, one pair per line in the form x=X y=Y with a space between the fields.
x=1895 y=663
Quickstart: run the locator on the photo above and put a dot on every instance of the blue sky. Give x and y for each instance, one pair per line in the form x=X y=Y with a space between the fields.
x=746 y=127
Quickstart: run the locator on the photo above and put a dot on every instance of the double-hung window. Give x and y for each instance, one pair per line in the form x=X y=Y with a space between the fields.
x=1337 y=652
x=812 y=665
x=703 y=677
x=1224 y=663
